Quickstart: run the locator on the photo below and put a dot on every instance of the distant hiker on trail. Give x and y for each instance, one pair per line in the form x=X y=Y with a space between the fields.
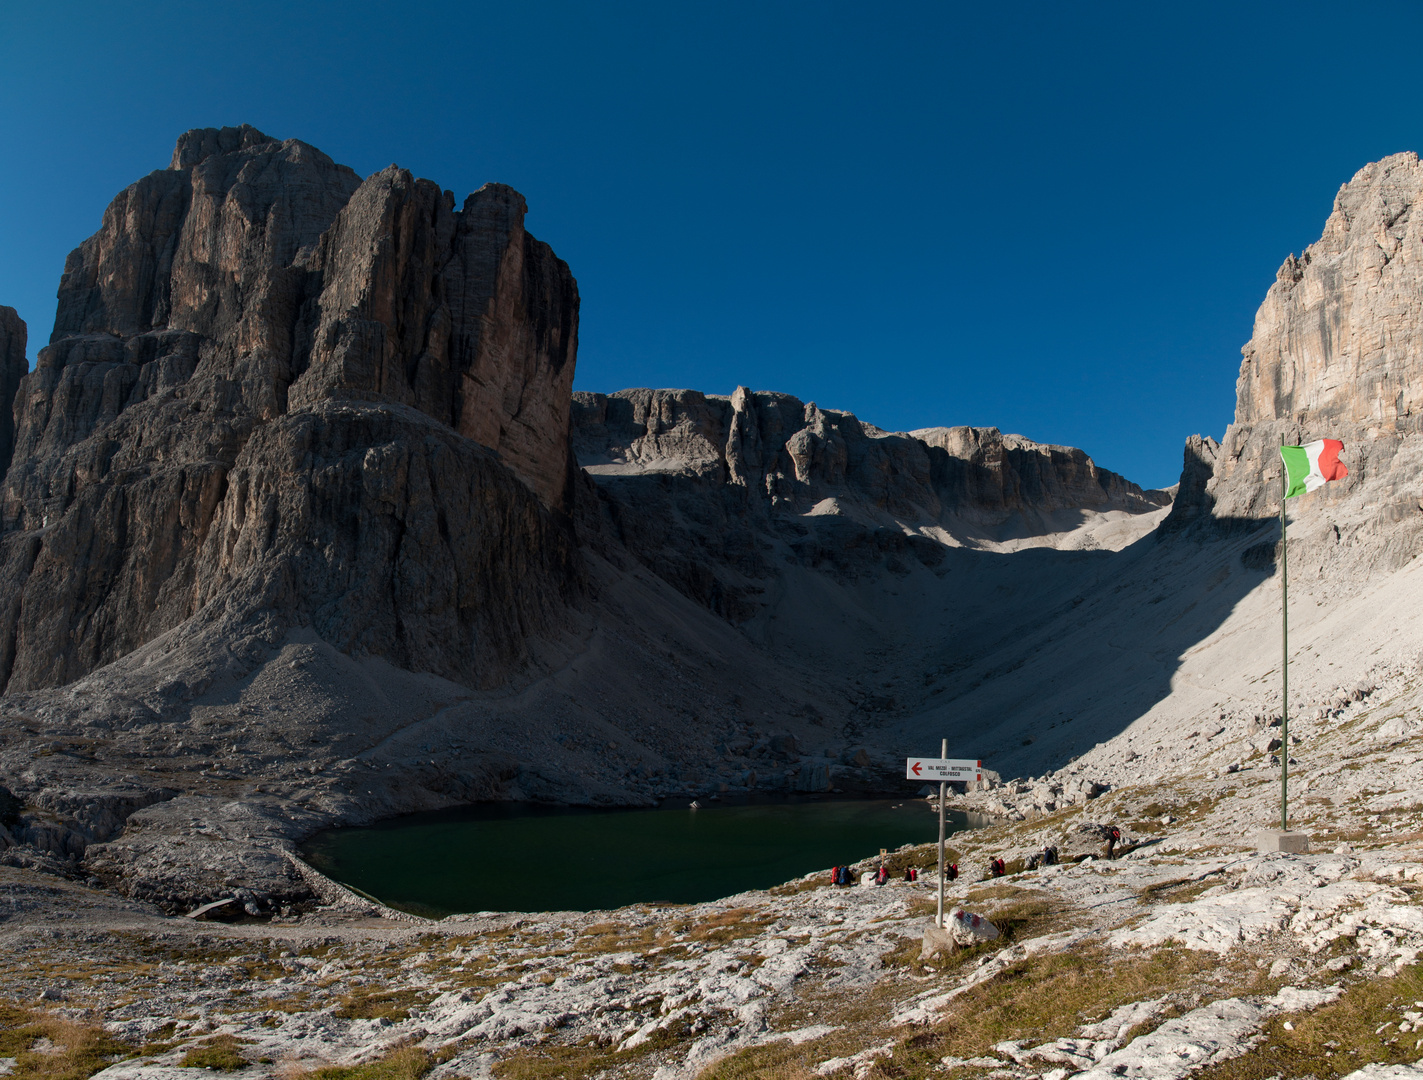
x=1049 y=856
x=951 y=871
x=1113 y=837
x=997 y=868
x=882 y=875
x=911 y=874
x=840 y=875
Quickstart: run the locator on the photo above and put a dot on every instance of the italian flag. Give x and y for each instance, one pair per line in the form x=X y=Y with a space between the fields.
x=1313 y=465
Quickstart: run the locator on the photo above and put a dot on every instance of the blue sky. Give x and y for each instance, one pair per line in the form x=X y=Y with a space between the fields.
x=1057 y=219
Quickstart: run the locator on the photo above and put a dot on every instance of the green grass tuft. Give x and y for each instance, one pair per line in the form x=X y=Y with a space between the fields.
x=220 y=1053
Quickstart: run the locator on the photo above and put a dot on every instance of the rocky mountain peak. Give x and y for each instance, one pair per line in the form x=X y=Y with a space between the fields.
x=257 y=351
x=1337 y=337
x=217 y=245
x=199 y=144
x=1336 y=352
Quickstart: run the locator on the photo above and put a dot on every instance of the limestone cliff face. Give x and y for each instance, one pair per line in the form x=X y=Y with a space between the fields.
x=1338 y=338
x=462 y=315
x=1337 y=352
x=981 y=470
x=273 y=385
x=794 y=455
x=13 y=368
x=714 y=493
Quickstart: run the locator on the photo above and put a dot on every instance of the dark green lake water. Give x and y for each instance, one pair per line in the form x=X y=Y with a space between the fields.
x=522 y=857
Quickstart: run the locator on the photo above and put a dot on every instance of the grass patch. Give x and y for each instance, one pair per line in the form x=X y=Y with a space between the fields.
x=74 y=1051
x=860 y=1019
x=1334 y=1040
x=1177 y=890
x=715 y=929
x=727 y=926
x=402 y=1063
x=924 y=857
x=1029 y=916
x=556 y=1062
x=794 y=888
x=220 y=1053
x=618 y=937
x=1048 y=997
x=777 y=1061
x=393 y=1005
x=1037 y=999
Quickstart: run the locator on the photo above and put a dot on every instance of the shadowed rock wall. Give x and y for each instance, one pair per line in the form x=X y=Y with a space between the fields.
x=13 y=368
x=794 y=455
x=715 y=493
x=264 y=389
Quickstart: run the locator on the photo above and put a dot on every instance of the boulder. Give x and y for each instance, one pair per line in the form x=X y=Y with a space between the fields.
x=1088 y=839
x=961 y=928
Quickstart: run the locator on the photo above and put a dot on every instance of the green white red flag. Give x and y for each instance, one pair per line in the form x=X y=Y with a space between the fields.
x=1312 y=465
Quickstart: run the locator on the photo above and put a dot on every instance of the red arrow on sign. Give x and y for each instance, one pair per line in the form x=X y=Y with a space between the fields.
x=915 y=768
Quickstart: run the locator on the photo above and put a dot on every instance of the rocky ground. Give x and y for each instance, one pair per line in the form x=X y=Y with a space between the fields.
x=1189 y=952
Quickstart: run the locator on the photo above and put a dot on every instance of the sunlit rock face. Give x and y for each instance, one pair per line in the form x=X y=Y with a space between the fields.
x=1339 y=338
x=273 y=386
x=1337 y=352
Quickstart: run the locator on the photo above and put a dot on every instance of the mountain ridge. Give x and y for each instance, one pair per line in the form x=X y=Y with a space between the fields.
x=305 y=525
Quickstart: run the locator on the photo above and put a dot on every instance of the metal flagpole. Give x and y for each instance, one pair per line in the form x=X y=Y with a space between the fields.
x=943 y=785
x=1285 y=655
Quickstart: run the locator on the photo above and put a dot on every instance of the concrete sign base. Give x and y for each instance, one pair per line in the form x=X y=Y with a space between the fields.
x=1296 y=843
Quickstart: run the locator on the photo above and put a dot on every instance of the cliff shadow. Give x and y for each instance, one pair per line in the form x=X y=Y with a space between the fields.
x=1023 y=659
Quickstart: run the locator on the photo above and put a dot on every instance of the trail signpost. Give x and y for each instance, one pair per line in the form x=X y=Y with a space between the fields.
x=943 y=769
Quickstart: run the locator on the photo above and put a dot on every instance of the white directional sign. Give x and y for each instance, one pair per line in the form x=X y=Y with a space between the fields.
x=943 y=769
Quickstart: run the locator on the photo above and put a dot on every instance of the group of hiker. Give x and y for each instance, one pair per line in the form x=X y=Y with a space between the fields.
x=844 y=875
x=1103 y=837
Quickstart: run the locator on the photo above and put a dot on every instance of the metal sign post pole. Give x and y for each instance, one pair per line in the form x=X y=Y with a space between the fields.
x=943 y=790
x=1284 y=661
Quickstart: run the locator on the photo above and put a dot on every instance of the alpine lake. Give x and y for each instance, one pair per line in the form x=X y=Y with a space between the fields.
x=528 y=857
